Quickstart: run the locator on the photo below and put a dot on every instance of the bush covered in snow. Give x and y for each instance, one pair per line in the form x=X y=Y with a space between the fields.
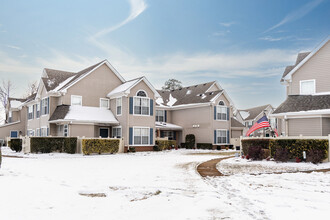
x=15 y=144
x=53 y=144
x=100 y=146
x=165 y=144
x=190 y=141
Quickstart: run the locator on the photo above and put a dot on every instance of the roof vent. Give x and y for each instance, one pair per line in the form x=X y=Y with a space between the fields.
x=187 y=87
x=211 y=93
x=196 y=85
x=204 y=84
x=188 y=92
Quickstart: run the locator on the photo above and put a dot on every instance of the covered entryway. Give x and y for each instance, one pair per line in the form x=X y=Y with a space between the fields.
x=104 y=132
x=169 y=131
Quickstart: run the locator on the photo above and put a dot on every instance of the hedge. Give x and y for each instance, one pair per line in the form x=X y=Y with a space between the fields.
x=190 y=141
x=100 y=146
x=205 y=146
x=165 y=144
x=53 y=144
x=295 y=147
x=263 y=143
x=15 y=144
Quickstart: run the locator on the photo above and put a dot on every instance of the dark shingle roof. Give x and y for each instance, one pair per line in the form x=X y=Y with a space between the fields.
x=296 y=103
x=300 y=58
x=60 y=112
x=236 y=124
x=254 y=112
x=190 y=94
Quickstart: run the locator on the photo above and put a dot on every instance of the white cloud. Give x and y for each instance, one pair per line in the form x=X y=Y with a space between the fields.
x=227 y=24
x=137 y=7
x=297 y=14
x=221 y=33
x=13 y=47
x=272 y=39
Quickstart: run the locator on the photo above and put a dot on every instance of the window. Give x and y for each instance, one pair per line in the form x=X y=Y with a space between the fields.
x=307 y=87
x=221 y=136
x=30 y=112
x=30 y=133
x=221 y=113
x=160 y=115
x=169 y=134
x=248 y=124
x=141 y=136
x=141 y=104
x=43 y=132
x=65 y=130
x=14 y=134
x=116 y=132
x=38 y=132
x=38 y=110
x=118 y=105
x=76 y=100
x=104 y=103
x=10 y=116
x=221 y=103
x=44 y=106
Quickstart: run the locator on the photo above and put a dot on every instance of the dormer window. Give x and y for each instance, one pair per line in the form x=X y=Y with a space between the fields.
x=222 y=103
x=307 y=87
x=141 y=93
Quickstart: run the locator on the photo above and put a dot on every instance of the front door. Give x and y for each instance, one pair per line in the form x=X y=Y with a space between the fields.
x=104 y=132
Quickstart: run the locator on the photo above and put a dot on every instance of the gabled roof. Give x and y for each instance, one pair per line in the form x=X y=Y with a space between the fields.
x=252 y=113
x=125 y=88
x=297 y=103
x=18 y=102
x=236 y=124
x=55 y=77
x=188 y=95
x=302 y=59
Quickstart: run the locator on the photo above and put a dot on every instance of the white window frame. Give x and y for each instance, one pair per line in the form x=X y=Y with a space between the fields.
x=76 y=96
x=218 y=107
x=29 y=133
x=137 y=127
x=41 y=129
x=38 y=132
x=121 y=131
x=104 y=128
x=43 y=106
x=104 y=99
x=121 y=106
x=226 y=131
x=141 y=97
x=303 y=81
x=38 y=110
x=30 y=108
x=161 y=110
x=10 y=117
x=15 y=131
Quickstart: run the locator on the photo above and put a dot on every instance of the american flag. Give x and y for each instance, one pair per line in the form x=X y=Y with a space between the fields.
x=261 y=123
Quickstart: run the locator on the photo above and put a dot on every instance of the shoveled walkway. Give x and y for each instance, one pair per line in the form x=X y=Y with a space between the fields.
x=209 y=169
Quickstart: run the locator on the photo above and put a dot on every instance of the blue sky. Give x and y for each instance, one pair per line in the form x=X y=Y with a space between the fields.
x=244 y=45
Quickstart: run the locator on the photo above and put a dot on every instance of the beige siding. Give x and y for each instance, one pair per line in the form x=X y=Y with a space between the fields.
x=81 y=130
x=325 y=126
x=214 y=87
x=236 y=133
x=5 y=130
x=317 y=67
x=93 y=87
x=305 y=126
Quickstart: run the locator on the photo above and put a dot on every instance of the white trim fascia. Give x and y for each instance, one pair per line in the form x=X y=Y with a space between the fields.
x=311 y=112
x=289 y=75
x=8 y=124
x=95 y=68
x=194 y=105
x=215 y=83
x=68 y=121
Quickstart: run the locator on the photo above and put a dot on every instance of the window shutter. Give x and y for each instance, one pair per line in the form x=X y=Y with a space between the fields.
x=215 y=136
x=174 y=135
x=34 y=107
x=151 y=136
x=48 y=105
x=47 y=131
x=130 y=136
x=227 y=113
x=215 y=112
x=131 y=105
x=151 y=107
x=165 y=115
x=40 y=108
x=228 y=141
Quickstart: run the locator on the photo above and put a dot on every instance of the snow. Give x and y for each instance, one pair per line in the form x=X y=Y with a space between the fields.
x=171 y=101
x=63 y=83
x=90 y=114
x=123 y=87
x=159 y=101
x=244 y=114
x=152 y=185
x=188 y=92
x=15 y=103
x=168 y=126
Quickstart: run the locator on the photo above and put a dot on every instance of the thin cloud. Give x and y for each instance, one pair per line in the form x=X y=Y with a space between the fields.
x=297 y=14
x=13 y=47
x=221 y=33
x=272 y=39
x=137 y=7
x=227 y=24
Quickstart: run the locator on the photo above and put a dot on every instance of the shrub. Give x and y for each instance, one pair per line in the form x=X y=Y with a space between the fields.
x=190 y=141
x=132 y=149
x=183 y=145
x=15 y=144
x=165 y=144
x=315 y=156
x=207 y=146
x=266 y=154
x=156 y=148
x=100 y=146
x=295 y=147
x=256 y=152
x=263 y=143
x=282 y=155
x=53 y=144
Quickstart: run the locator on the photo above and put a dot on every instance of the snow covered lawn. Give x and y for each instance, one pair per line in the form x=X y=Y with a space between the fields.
x=151 y=185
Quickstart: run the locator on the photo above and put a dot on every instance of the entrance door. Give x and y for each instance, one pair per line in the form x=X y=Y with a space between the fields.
x=104 y=132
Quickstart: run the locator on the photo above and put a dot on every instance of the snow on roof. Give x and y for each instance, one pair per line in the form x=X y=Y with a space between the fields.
x=123 y=87
x=244 y=114
x=90 y=114
x=63 y=83
x=15 y=103
x=171 y=101
x=167 y=126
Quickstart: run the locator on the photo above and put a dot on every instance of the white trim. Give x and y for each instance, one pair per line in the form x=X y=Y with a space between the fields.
x=308 y=80
x=105 y=100
x=163 y=110
x=12 y=131
x=141 y=90
x=84 y=122
x=311 y=112
x=104 y=128
x=11 y=123
x=141 y=106
x=77 y=96
x=289 y=75
x=216 y=137
x=121 y=109
x=141 y=137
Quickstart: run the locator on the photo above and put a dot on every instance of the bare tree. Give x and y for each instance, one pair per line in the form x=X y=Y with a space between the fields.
x=31 y=89
x=5 y=91
x=172 y=84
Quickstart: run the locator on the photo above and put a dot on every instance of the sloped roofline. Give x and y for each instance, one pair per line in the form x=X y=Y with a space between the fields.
x=268 y=105
x=288 y=76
